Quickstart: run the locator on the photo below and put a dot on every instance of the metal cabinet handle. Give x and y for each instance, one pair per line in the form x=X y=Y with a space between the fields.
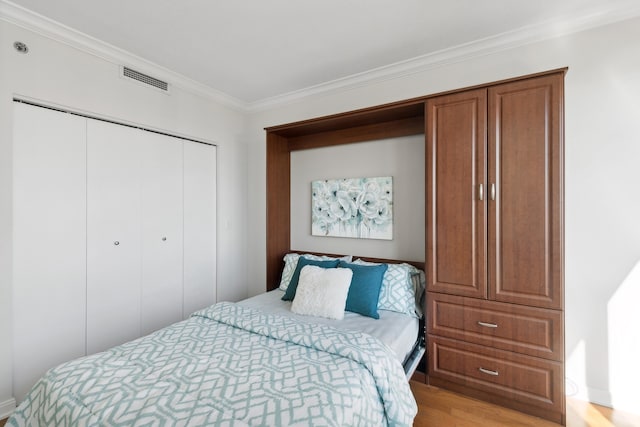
x=488 y=325
x=481 y=193
x=493 y=191
x=489 y=372
x=116 y=243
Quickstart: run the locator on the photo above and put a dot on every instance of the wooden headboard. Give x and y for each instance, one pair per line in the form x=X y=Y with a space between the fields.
x=418 y=264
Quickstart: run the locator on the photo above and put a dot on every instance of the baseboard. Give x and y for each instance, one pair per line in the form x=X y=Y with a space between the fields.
x=7 y=408
x=626 y=402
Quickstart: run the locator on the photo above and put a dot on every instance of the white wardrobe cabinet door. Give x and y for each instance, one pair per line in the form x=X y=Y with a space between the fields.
x=113 y=234
x=49 y=262
x=199 y=226
x=162 y=222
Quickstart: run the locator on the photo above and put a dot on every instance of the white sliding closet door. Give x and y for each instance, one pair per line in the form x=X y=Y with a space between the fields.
x=162 y=222
x=49 y=234
x=114 y=236
x=114 y=272
x=199 y=226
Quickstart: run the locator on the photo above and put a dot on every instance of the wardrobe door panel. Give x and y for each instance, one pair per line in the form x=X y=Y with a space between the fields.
x=456 y=202
x=525 y=163
x=199 y=226
x=162 y=223
x=113 y=234
x=49 y=235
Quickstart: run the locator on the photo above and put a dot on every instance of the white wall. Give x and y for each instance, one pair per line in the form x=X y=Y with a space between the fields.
x=56 y=73
x=400 y=158
x=602 y=177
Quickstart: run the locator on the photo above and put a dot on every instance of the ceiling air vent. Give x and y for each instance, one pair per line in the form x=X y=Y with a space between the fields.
x=143 y=78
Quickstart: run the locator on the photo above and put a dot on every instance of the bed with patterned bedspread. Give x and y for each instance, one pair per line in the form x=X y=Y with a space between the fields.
x=228 y=365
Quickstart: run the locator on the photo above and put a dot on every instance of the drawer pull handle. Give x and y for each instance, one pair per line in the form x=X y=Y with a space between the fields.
x=487 y=325
x=489 y=372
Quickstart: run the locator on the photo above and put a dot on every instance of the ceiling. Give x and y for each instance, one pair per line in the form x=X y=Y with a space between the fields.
x=254 y=50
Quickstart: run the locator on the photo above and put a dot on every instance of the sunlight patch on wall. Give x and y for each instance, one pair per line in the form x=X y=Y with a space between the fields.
x=624 y=343
x=576 y=375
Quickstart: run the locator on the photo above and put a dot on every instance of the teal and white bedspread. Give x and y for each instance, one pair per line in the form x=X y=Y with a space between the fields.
x=228 y=365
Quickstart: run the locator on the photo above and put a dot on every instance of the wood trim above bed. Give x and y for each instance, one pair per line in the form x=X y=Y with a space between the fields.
x=417 y=264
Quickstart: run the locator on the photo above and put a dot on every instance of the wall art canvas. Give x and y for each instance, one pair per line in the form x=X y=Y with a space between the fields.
x=353 y=207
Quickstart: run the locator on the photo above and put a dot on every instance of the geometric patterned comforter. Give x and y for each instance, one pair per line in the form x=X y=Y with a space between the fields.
x=228 y=365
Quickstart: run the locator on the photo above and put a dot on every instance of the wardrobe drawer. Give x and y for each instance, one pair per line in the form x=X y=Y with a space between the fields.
x=527 y=330
x=527 y=380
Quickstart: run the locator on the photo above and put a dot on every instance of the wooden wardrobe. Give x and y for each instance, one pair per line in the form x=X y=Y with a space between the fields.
x=494 y=238
x=495 y=244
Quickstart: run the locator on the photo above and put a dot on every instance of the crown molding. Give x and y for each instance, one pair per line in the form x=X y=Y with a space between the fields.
x=44 y=26
x=500 y=42
x=49 y=28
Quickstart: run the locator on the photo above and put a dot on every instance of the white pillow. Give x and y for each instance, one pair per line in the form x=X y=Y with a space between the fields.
x=291 y=262
x=322 y=292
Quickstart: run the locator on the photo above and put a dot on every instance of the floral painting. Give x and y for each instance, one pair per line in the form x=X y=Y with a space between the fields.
x=354 y=207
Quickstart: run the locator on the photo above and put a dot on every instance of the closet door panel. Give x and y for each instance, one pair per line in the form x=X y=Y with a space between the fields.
x=113 y=234
x=456 y=215
x=199 y=226
x=525 y=163
x=49 y=234
x=162 y=221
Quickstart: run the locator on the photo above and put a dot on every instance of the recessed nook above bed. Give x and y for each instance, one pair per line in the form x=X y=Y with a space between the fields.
x=373 y=124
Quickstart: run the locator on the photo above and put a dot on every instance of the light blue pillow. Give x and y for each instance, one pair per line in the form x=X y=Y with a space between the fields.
x=364 y=291
x=302 y=261
x=398 y=292
x=291 y=261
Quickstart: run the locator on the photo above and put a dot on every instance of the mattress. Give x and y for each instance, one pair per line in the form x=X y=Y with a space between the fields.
x=398 y=331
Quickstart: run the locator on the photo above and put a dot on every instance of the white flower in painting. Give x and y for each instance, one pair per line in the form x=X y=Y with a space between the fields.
x=353 y=189
x=386 y=190
x=384 y=215
x=369 y=203
x=322 y=211
x=374 y=204
x=324 y=190
x=371 y=186
x=342 y=207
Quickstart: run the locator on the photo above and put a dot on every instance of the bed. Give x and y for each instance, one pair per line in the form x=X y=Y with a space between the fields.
x=239 y=364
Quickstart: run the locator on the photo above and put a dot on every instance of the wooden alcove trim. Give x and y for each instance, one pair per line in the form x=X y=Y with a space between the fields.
x=395 y=119
x=381 y=130
x=278 y=206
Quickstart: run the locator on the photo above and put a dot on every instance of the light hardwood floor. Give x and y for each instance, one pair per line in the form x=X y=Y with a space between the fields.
x=440 y=408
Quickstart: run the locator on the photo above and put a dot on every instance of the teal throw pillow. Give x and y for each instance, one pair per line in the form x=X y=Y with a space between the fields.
x=364 y=291
x=293 y=285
